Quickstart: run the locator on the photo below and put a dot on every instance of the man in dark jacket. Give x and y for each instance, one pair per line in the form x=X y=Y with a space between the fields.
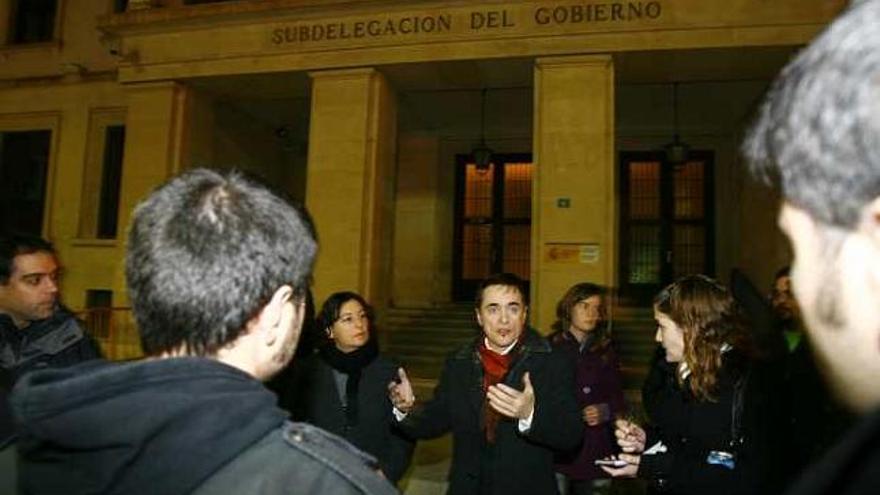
x=818 y=137
x=35 y=330
x=507 y=399
x=217 y=269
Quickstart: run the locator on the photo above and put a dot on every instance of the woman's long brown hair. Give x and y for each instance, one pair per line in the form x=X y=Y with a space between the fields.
x=565 y=306
x=709 y=317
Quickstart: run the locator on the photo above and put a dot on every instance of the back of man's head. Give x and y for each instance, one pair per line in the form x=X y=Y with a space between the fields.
x=818 y=132
x=818 y=138
x=206 y=251
x=12 y=245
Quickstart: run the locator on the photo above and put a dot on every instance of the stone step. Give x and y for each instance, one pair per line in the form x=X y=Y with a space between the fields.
x=429 y=327
x=430 y=337
x=419 y=368
x=426 y=351
x=423 y=313
x=455 y=314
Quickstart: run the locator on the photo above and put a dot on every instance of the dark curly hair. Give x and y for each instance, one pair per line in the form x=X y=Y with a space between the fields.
x=709 y=317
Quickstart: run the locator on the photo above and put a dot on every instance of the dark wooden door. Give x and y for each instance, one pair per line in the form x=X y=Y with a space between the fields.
x=493 y=220
x=667 y=227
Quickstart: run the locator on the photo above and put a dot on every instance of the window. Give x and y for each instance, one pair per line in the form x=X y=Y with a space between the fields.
x=666 y=220
x=33 y=21
x=24 y=163
x=99 y=212
x=98 y=312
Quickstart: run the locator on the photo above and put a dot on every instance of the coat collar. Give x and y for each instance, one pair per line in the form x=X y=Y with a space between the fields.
x=532 y=343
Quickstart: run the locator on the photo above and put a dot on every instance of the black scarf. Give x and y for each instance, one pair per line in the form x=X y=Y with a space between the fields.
x=350 y=364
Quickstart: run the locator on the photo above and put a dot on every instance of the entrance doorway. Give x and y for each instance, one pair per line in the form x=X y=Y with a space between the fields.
x=493 y=220
x=667 y=227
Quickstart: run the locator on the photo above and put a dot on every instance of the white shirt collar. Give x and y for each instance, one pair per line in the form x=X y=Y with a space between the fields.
x=503 y=352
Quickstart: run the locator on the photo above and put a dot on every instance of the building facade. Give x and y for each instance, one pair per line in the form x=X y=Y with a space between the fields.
x=433 y=142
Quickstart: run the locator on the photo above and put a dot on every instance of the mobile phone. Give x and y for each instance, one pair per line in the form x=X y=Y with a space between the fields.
x=611 y=463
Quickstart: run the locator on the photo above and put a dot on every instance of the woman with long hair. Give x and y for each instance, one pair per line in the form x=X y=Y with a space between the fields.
x=343 y=388
x=582 y=332
x=715 y=426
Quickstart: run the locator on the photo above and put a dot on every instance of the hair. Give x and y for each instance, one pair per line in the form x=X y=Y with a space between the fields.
x=574 y=295
x=505 y=279
x=331 y=308
x=13 y=245
x=206 y=252
x=709 y=317
x=817 y=134
x=785 y=271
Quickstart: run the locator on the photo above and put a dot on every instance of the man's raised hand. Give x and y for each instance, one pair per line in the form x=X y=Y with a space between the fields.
x=511 y=402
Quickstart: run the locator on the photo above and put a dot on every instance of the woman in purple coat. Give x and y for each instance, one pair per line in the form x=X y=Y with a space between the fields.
x=582 y=332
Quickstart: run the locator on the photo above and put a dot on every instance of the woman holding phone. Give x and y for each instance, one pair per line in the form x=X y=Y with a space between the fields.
x=716 y=427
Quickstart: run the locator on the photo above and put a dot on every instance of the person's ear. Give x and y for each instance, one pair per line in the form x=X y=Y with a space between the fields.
x=870 y=223
x=272 y=317
x=477 y=313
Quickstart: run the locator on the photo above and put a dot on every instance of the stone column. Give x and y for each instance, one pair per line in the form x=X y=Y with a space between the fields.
x=575 y=194
x=350 y=181
x=154 y=132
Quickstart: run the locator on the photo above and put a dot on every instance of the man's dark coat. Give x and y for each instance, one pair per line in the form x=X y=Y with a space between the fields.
x=517 y=463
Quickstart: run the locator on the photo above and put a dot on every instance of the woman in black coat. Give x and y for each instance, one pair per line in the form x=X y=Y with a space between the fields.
x=715 y=418
x=343 y=388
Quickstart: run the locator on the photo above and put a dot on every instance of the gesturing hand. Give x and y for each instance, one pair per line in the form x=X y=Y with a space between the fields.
x=511 y=402
x=401 y=393
x=630 y=436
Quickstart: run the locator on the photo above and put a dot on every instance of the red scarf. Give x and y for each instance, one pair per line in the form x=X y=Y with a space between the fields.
x=495 y=366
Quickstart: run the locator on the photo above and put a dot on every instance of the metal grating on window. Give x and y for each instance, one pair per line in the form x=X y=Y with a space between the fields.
x=689 y=183
x=689 y=250
x=518 y=190
x=644 y=254
x=644 y=190
x=517 y=250
x=478 y=192
x=476 y=251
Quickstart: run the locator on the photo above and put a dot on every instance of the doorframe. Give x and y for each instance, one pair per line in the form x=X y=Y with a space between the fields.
x=459 y=291
x=645 y=293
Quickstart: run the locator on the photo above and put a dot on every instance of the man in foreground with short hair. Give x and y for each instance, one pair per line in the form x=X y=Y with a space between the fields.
x=217 y=270
x=506 y=398
x=818 y=138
